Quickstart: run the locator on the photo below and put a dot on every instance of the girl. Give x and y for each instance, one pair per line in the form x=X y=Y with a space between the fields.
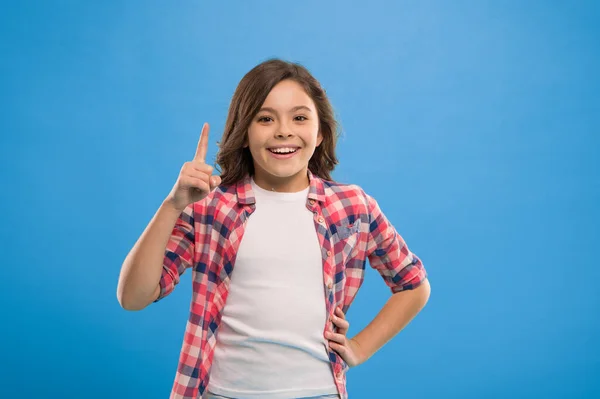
x=277 y=251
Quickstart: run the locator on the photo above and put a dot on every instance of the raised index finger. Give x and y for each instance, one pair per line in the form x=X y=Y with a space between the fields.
x=202 y=144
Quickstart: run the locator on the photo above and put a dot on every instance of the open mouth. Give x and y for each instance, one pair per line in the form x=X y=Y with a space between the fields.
x=283 y=153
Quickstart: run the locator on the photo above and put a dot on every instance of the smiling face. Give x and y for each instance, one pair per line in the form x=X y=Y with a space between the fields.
x=287 y=120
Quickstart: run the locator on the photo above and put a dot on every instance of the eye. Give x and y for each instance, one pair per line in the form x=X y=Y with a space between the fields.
x=301 y=118
x=265 y=119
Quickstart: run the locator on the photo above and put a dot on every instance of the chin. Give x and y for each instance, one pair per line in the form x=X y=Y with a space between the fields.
x=283 y=171
x=283 y=174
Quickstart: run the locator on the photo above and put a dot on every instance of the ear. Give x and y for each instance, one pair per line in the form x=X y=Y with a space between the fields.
x=319 y=139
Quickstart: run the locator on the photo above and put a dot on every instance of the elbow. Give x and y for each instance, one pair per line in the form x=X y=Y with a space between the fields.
x=128 y=302
x=424 y=290
x=419 y=293
x=130 y=305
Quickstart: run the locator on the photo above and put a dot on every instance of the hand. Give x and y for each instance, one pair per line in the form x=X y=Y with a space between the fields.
x=195 y=181
x=348 y=349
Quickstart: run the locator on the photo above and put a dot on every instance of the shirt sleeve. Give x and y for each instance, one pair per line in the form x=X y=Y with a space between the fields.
x=389 y=255
x=179 y=254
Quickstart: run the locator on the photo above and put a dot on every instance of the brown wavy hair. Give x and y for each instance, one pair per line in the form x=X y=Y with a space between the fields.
x=233 y=161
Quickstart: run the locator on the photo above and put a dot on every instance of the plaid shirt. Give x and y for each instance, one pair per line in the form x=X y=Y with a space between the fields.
x=350 y=227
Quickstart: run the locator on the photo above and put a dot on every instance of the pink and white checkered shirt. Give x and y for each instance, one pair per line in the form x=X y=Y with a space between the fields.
x=350 y=226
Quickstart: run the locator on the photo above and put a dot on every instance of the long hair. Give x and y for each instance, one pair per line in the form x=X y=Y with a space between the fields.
x=235 y=161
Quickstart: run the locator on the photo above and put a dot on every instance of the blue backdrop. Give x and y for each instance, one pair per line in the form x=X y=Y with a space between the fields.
x=474 y=124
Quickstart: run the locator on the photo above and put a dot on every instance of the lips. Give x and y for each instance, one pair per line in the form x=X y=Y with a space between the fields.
x=283 y=146
x=283 y=155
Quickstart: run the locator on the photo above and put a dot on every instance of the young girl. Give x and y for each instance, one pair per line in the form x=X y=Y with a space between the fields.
x=277 y=251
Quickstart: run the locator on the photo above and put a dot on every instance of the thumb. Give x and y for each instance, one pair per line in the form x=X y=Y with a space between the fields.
x=214 y=182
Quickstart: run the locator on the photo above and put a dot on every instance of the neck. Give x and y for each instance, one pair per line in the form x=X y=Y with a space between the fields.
x=291 y=184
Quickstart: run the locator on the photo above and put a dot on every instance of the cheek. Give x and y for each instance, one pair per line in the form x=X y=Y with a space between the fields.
x=252 y=139
x=314 y=135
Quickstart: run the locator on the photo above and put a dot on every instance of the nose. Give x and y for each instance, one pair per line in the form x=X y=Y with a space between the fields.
x=284 y=130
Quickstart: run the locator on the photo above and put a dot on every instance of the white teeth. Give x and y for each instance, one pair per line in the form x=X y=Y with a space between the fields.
x=283 y=150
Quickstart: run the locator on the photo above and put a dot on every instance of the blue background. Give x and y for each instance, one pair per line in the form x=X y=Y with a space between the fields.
x=473 y=123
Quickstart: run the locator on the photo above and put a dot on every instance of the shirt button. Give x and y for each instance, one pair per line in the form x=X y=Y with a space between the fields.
x=320 y=220
x=328 y=253
x=330 y=285
x=312 y=201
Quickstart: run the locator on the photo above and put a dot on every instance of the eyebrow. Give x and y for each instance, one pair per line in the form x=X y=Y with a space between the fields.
x=296 y=108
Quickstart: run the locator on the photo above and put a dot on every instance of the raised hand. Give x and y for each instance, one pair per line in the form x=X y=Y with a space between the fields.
x=195 y=180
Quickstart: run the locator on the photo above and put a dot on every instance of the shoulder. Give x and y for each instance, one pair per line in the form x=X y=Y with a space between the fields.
x=350 y=197
x=345 y=191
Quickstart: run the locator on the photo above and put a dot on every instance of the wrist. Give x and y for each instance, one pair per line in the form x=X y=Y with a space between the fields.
x=169 y=205
x=359 y=351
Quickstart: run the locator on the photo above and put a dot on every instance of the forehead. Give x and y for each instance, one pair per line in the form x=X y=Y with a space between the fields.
x=287 y=94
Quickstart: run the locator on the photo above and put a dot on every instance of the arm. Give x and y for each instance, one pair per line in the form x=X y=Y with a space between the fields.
x=143 y=267
x=166 y=247
x=403 y=273
x=399 y=310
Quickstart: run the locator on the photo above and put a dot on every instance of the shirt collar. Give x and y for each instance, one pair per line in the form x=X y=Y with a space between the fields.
x=245 y=195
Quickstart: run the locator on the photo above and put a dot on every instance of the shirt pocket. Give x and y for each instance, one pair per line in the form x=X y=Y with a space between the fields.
x=344 y=230
x=344 y=239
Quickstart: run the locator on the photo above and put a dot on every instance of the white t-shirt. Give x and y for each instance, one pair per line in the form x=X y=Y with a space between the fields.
x=270 y=343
